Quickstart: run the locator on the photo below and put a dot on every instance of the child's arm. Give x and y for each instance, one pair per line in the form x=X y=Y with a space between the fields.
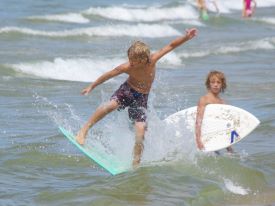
x=190 y=33
x=216 y=6
x=106 y=76
x=254 y=6
x=243 y=11
x=199 y=118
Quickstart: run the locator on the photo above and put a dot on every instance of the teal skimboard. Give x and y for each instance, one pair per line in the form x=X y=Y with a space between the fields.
x=107 y=161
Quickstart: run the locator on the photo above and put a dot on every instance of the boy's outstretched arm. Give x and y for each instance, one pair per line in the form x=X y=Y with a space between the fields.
x=104 y=77
x=190 y=33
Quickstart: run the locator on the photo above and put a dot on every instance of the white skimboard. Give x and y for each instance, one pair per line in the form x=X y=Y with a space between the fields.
x=223 y=125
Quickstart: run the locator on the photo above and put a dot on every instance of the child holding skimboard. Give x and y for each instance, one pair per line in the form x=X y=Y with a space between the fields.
x=215 y=84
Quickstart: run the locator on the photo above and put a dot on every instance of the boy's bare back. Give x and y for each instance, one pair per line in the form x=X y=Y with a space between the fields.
x=142 y=75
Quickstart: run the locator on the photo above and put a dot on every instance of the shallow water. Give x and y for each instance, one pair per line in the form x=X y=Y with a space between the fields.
x=51 y=50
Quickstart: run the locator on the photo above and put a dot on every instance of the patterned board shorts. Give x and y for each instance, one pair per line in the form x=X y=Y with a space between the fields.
x=137 y=102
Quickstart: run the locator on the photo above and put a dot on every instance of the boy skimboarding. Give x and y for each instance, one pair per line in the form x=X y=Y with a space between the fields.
x=134 y=92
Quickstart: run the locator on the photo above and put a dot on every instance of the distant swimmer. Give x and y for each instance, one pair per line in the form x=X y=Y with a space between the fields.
x=202 y=7
x=248 y=9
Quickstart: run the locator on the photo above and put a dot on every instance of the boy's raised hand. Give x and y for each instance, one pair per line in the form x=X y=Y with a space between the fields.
x=190 y=33
x=86 y=90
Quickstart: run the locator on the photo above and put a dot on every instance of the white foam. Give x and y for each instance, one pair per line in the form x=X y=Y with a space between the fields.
x=268 y=20
x=80 y=69
x=266 y=3
x=171 y=143
x=195 y=54
x=263 y=44
x=186 y=11
x=142 y=30
x=171 y=58
x=69 y=17
x=238 y=5
x=235 y=188
x=210 y=6
x=148 y=14
x=248 y=46
x=86 y=70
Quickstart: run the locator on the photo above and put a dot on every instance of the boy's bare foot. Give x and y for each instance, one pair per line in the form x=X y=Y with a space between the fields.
x=136 y=163
x=80 y=138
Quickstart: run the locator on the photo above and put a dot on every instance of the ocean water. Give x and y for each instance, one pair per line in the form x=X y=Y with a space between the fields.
x=51 y=50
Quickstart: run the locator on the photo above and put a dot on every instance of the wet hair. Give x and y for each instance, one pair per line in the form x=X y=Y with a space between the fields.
x=219 y=75
x=139 y=51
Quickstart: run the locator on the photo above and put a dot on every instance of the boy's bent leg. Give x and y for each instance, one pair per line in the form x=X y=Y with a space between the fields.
x=138 y=148
x=100 y=112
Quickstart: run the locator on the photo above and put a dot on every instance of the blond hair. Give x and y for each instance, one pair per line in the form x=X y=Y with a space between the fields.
x=139 y=51
x=219 y=75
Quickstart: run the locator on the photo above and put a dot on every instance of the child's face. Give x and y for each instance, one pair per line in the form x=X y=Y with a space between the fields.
x=215 y=85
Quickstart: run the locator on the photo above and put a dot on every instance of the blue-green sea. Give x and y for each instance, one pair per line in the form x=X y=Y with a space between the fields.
x=51 y=50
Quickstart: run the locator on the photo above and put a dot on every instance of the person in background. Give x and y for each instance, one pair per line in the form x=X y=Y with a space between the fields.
x=215 y=84
x=201 y=4
x=202 y=7
x=248 y=8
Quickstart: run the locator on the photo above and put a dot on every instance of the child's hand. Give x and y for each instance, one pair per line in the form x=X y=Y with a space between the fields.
x=200 y=145
x=190 y=33
x=86 y=90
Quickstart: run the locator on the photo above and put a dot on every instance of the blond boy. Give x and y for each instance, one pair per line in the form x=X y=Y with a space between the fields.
x=133 y=93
